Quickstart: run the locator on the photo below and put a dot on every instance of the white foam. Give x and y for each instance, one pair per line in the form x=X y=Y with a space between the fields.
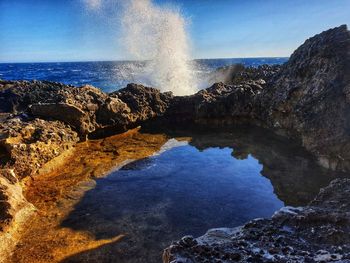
x=93 y=4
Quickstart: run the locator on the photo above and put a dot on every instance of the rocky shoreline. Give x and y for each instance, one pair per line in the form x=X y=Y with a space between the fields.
x=316 y=233
x=307 y=98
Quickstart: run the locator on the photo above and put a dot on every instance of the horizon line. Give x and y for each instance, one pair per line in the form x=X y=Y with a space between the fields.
x=127 y=60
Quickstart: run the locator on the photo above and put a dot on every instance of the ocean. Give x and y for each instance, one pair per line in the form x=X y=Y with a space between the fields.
x=109 y=75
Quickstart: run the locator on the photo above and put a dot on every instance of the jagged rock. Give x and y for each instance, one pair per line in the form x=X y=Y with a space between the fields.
x=219 y=104
x=85 y=108
x=66 y=112
x=145 y=103
x=236 y=74
x=309 y=97
x=319 y=232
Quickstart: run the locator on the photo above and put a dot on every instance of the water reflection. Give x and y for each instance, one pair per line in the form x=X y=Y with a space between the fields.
x=214 y=180
x=295 y=175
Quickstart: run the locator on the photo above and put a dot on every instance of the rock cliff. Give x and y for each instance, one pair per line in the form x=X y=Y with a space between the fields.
x=309 y=97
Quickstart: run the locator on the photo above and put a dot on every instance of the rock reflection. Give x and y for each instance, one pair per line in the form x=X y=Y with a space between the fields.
x=294 y=173
x=214 y=181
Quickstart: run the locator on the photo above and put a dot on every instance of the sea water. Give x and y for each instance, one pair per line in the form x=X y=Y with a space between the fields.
x=112 y=75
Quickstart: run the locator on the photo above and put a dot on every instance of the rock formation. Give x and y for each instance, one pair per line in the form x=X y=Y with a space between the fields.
x=307 y=98
x=84 y=108
x=144 y=103
x=32 y=143
x=236 y=74
x=310 y=97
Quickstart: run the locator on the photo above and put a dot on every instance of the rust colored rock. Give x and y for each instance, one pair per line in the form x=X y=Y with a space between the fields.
x=14 y=211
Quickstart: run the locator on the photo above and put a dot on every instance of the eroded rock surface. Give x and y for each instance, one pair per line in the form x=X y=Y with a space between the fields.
x=28 y=144
x=15 y=210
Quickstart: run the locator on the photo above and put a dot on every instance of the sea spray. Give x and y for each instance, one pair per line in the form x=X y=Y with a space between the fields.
x=93 y=4
x=158 y=35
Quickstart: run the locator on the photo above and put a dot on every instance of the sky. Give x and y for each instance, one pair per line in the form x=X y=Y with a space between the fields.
x=66 y=30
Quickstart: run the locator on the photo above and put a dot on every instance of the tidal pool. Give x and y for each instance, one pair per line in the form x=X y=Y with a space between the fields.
x=206 y=180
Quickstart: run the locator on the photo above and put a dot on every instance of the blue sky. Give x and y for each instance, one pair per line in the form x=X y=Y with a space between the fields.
x=64 y=30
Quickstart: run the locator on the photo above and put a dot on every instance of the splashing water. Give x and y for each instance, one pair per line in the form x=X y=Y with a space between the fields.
x=158 y=35
x=93 y=4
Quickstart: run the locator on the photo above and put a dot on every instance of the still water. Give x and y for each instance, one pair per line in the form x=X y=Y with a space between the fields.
x=202 y=181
